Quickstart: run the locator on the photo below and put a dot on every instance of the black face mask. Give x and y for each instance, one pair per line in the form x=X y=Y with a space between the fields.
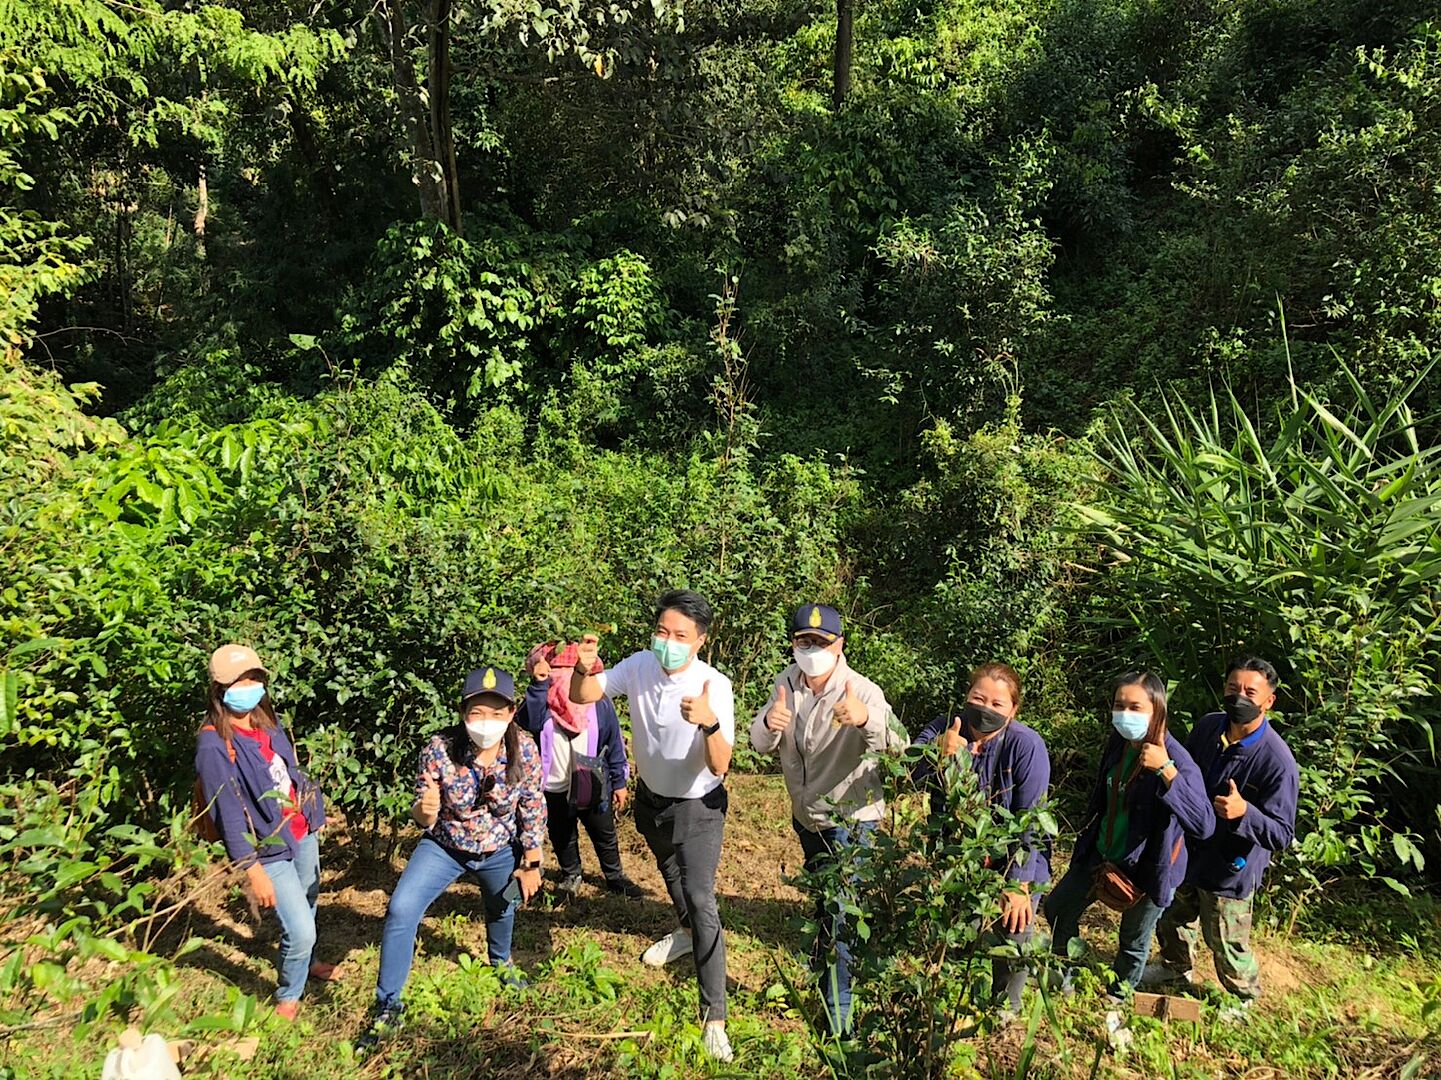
x=1240 y=710
x=980 y=720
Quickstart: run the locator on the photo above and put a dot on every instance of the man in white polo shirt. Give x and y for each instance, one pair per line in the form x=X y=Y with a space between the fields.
x=682 y=716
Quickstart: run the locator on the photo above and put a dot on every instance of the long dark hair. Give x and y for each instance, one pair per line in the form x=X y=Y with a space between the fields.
x=219 y=717
x=1155 y=689
x=461 y=749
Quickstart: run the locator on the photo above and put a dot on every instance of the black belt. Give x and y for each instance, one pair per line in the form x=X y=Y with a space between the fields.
x=712 y=796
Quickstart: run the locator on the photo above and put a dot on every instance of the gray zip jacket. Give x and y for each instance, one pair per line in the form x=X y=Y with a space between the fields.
x=824 y=764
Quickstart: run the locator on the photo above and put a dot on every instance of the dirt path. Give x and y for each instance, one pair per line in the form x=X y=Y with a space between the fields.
x=757 y=907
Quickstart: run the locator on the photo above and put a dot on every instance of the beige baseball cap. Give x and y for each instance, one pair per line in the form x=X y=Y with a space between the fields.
x=229 y=662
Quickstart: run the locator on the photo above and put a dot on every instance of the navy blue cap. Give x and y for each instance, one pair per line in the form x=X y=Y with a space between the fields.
x=816 y=619
x=489 y=680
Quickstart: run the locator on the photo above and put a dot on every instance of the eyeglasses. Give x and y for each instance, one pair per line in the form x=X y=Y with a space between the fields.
x=811 y=641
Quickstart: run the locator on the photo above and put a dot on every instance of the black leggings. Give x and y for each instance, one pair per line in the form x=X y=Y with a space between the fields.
x=563 y=821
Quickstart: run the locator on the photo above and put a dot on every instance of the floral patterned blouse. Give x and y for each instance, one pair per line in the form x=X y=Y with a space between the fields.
x=501 y=815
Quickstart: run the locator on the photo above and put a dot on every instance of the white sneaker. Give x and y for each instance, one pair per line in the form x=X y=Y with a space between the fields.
x=717 y=1043
x=1159 y=974
x=668 y=949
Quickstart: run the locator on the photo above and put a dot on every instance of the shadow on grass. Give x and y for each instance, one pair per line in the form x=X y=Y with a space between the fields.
x=507 y=1046
x=343 y=930
x=767 y=920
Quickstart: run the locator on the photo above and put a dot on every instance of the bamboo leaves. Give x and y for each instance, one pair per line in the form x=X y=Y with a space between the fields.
x=1313 y=536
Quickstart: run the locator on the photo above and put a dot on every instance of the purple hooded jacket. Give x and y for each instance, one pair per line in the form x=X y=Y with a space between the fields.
x=601 y=740
x=1014 y=770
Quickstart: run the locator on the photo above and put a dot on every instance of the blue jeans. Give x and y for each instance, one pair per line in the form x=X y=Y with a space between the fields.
x=431 y=870
x=1069 y=900
x=834 y=975
x=297 y=885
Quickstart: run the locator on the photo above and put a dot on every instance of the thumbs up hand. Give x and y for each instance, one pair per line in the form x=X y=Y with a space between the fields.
x=951 y=740
x=427 y=807
x=779 y=717
x=1230 y=806
x=1153 y=756
x=696 y=710
x=850 y=711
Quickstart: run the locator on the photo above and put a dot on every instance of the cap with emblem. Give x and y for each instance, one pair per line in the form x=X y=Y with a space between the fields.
x=816 y=619
x=489 y=680
x=229 y=662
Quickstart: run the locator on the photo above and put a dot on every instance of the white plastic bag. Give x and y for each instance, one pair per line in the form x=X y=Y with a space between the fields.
x=140 y=1059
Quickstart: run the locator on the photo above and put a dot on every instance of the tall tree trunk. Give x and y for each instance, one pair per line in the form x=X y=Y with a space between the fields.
x=842 y=84
x=202 y=212
x=439 y=76
x=202 y=208
x=124 y=208
x=428 y=173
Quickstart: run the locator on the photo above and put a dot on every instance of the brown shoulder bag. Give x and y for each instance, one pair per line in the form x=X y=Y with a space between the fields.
x=1111 y=885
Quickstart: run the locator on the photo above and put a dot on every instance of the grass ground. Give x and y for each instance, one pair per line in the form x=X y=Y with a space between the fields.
x=1337 y=1005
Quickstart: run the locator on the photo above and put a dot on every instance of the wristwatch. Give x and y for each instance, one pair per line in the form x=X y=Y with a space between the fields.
x=709 y=731
x=530 y=865
x=1161 y=771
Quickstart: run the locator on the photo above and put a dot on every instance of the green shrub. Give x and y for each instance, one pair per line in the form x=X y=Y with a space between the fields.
x=975 y=564
x=372 y=556
x=1306 y=532
x=920 y=902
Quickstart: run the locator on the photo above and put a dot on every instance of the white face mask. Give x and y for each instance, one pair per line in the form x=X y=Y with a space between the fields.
x=486 y=733
x=814 y=660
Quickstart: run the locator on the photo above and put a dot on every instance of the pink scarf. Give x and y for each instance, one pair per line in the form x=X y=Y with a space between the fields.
x=572 y=716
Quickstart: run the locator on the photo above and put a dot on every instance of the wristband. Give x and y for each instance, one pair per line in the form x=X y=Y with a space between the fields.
x=1170 y=763
x=709 y=731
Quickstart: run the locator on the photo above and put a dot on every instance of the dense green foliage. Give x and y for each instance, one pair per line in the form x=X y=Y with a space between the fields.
x=1084 y=333
x=919 y=901
x=1320 y=544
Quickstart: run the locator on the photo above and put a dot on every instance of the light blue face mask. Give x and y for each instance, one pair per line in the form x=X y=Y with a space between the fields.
x=671 y=654
x=1131 y=726
x=241 y=699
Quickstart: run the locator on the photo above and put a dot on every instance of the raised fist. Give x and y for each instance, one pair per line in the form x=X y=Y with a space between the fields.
x=587 y=652
x=430 y=801
x=951 y=739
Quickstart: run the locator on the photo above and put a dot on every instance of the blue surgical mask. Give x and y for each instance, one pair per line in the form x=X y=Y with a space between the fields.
x=1131 y=726
x=671 y=654
x=241 y=699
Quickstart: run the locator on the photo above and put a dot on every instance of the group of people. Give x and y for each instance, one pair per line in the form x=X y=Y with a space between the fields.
x=1177 y=836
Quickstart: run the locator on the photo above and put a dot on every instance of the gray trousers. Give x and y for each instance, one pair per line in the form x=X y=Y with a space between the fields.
x=685 y=837
x=1008 y=977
